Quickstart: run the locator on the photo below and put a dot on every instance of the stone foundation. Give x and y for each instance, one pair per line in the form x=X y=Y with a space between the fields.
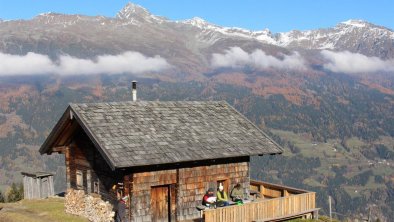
x=91 y=207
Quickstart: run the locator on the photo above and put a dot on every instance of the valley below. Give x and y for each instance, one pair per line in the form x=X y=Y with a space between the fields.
x=357 y=172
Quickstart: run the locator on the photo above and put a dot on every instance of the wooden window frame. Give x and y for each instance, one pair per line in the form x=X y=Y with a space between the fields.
x=96 y=187
x=79 y=179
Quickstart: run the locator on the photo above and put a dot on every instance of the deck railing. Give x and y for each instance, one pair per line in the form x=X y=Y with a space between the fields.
x=291 y=202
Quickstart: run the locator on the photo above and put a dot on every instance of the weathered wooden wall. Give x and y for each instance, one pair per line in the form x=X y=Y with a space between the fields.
x=82 y=155
x=190 y=185
x=194 y=182
x=141 y=194
x=187 y=183
x=38 y=187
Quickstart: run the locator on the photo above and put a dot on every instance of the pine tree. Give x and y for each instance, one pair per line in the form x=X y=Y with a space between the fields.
x=2 y=199
x=16 y=193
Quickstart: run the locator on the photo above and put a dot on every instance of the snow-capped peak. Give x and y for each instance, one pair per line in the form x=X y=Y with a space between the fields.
x=197 y=21
x=207 y=28
x=355 y=23
x=131 y=10
x=46 y=13
x=135 y=14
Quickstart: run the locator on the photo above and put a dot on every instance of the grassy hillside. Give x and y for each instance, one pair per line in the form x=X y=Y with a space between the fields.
x=356 y=173
x=48 y=210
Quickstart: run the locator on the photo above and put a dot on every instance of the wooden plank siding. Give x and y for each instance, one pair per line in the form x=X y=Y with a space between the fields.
x=37 y=185
x=81 y=155
x=141 y=194
x=264 y=209
x=194 y=182
x=188 y=185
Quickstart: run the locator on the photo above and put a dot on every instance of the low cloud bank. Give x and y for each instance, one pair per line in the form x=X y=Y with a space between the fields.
x=235 y=57
x=127 y=62
x=349 y=62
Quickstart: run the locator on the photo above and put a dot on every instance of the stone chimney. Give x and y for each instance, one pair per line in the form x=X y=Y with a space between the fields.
x=134 y=90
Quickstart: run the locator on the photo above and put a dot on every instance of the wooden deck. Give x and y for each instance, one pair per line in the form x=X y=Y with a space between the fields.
x=276 y=203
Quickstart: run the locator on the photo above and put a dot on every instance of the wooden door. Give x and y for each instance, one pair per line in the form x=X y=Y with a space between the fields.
x=225 y=183
x=44 y=187
x=161 y=204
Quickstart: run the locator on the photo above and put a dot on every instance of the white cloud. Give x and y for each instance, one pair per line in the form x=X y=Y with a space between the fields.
x=23 y=65
x=235 y=57
x=348 y=62
x=127 y=62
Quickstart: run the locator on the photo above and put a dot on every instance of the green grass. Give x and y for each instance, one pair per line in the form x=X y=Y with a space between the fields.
x=312 y=182
x=354 y=143
x=51 y=209
x=333 y=154
x=383 y=170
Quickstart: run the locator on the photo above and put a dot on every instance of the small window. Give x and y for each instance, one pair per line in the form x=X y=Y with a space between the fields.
x=79 y=179
x=96 y=187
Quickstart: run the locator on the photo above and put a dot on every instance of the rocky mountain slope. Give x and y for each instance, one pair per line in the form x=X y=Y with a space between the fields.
x=327 y=95
x=353 y=35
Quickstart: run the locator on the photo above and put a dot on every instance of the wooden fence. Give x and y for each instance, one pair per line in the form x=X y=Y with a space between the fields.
x=264 y=209
x=271 y=190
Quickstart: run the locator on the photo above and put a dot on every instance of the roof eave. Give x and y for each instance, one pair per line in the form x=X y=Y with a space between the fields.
x=199 y=160
x=55 y=131
x=93 y=138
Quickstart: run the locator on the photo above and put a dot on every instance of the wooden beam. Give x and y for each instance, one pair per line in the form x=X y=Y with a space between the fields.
x=177 y=197
x=68 y=170
x=279 y=187
x=59 y=149
x=66 y=135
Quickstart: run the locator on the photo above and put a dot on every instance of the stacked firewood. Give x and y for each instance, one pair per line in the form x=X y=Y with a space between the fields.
x=93 y=208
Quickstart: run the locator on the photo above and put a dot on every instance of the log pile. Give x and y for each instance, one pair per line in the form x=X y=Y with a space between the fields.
x=93 y=208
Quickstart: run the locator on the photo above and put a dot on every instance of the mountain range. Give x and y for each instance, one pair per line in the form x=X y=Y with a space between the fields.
x=314 y=91
x=353 y=35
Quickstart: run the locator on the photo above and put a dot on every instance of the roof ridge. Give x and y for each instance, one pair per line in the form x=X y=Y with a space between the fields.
x=150 y=101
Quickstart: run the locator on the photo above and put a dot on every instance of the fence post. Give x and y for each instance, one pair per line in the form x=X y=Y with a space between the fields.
x=329 y=205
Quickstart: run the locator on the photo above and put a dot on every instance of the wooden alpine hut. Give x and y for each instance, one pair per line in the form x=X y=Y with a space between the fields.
x=163 y=155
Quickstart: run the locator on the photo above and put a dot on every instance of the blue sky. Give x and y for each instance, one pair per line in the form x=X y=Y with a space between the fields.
x=278 y=16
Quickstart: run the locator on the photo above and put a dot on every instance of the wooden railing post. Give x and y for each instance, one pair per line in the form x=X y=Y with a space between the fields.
x=68 y=170
x=262 y=190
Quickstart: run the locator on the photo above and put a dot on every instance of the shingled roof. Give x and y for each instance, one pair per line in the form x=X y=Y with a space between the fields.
x=143 y=133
